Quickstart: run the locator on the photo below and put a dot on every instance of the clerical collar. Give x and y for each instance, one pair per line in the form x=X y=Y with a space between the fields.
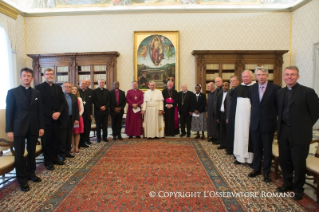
x=26 y=87
x=293 y=87
x=185 y=91
x=101 y=89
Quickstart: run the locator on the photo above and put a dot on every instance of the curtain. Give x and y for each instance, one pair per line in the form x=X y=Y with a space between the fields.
x=6 y=67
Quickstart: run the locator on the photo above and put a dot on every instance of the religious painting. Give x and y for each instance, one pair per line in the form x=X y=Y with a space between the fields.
x=156 y=58
x=229 y=1
x=147 y=2
x=84 y=3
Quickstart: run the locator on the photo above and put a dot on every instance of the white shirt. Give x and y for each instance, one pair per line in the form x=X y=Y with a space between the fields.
x=222 y=107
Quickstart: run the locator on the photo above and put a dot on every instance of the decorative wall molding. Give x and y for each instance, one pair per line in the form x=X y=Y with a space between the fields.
x=8 y=10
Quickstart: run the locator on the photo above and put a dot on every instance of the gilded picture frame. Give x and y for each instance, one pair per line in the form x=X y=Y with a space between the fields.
x=156 y=58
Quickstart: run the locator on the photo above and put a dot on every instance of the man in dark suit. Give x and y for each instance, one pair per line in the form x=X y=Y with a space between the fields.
x=24 y=120
x=297 y=113
x=101 y=101
x=117 y=104
x=69 y=118
x=262 y=121
x=216 y=137
x=90 y=102
x=53 y=107
x=87 y=103
x=221 y=114
x=184 y=108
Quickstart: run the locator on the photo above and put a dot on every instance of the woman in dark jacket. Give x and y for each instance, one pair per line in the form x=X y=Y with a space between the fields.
x=198 y=112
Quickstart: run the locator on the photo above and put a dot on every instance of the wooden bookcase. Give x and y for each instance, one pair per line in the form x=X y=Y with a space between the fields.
x=74 y=67
x=210 y=64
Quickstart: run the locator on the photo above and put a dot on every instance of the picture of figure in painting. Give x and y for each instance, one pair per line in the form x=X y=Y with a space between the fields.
x=156 y=60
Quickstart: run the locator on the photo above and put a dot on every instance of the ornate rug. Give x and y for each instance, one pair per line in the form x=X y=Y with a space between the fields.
x=150 y=175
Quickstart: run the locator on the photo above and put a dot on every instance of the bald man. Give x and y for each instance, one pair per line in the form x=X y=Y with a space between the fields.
x=184 y=108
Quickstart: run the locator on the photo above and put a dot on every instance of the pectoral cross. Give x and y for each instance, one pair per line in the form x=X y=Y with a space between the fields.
x=135 y=97
x=84 y=102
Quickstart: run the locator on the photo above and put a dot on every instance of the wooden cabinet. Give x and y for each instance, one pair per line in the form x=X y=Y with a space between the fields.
x=74 y=67
x=210 y=64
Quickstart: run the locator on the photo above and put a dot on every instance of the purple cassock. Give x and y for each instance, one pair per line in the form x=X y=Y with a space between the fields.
x=133 y=123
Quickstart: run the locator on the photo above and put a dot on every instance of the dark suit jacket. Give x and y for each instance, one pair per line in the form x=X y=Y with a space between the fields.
x=22 y=116
x=75 y=111
x=51 y=102
x=87 y=97
x=187 y=102
x=228 y=103
x=101 y=98
x=122 y=101
x=216 y=93
x=219 y=103
x=264 y=112
x=303 y=112
x=200 y=105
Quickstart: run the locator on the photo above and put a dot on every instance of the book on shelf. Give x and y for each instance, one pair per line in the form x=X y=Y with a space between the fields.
x=85 y=68
x=212 y=66
x=271 y=77
x=227 y=76
x=61 y=69
x=99 y=67
x=97 y=77
x=251 y=67
x=63 y=78
x=228 y=66
x=84 y=77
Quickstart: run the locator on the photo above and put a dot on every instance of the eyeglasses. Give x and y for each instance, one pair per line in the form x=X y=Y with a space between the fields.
x=292 y=75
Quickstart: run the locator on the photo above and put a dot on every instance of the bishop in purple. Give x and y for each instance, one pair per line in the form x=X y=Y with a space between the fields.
x=133 y=123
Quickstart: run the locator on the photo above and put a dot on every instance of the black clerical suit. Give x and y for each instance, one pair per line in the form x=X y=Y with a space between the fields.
x=117 y=117
x=169 y=115
x=53 y=101
x=230 y=116
x=101 y=97
x=221 y=116
x=68 y=125
x=24 y=117
x=87 y=98
x=297 y=113
x=216 y=129
x=263 y=124
x=184 y=107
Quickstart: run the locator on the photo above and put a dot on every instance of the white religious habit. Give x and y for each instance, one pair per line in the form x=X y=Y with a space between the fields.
x=243 y=149
x=153 y=122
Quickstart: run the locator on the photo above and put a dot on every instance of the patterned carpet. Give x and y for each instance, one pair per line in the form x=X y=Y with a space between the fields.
x=150 y=175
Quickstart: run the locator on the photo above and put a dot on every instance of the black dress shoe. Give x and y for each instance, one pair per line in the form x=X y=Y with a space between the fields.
x=220 y=147
x=138 y=136
x=98 y=140
x=182 y=135
x=58 y=162
x=237 y=162
x=35 y=179
x=284 y=188
x=298 y=196
x=216 y=142
x=49 y=167
x=253 y=173
x=105 y=140
x=89 y=142
x=114 y=138
x=203 y=137
x=130 y=137
x=62 y=159
x=69 y=155
x=84 y=145
x=197 y=137
x=210 y=139
x=229 y=153
x=188 y=135
x=120 y=137
x=25 y=187
x=267 y=179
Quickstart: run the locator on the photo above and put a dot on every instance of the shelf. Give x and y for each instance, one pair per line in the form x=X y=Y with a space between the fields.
x=99 y=72
x=62 y=73
x=84 y=72
x=228 y=71
x=211 y=71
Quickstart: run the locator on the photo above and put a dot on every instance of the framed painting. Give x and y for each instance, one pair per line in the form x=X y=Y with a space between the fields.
x=156 y=58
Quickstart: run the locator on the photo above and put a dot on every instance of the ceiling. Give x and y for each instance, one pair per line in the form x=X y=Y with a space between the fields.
x=83 y=7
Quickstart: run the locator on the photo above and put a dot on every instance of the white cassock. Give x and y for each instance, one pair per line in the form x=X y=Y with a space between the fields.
x=153 y=123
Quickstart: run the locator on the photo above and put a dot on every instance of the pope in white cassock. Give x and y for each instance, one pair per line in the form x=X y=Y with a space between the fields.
x=152 y=110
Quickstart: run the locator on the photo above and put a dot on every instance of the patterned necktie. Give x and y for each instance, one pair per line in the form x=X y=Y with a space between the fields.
x=261 y=92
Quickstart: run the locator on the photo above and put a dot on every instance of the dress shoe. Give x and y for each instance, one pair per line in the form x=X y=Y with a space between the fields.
x=35 y=179
x=114 y=138
x=25 y=187
x=237 y=162
x=229 y=153
x=284 y=188
x=197 y=136
x=220 y=147
x=188 y=135
x=98 y=140
x=58 y=162
x=203 y=138
x=120 y=137
x=216 y=142
x=210 y=139
x=138 y=136
x=50 y=167
x=88 y=142
x=84 y=145
x=253 y=173
x=267 y=179
x=182 y=135
x=105 y=140
x=298 y=196
x=62 y=159
x=130 y=137
x=69 y=155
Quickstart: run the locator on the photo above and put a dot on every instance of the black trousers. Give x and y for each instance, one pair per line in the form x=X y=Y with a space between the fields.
x=116 y=123
x=185 y=118
x=66 y=138
x=24 y=169
x=223 y=129
x=292 y=158
x=51 y=142
x=216 y=130
x=85 y=136
x=262 y=143
x=101 y=123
